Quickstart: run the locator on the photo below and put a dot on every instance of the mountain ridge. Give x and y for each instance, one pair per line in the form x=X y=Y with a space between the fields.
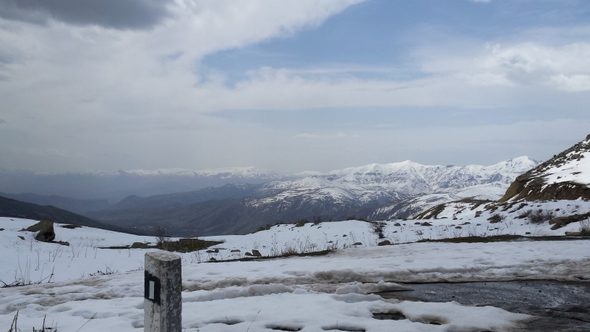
x=362 y=192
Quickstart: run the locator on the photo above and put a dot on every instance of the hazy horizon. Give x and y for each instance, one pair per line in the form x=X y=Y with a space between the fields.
x=240 y=169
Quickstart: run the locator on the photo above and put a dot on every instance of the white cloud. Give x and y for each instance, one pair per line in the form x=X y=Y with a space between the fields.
x=562 y=67
x=572 y=82
x=138 y=99
x=99 y=92
x=85 y=62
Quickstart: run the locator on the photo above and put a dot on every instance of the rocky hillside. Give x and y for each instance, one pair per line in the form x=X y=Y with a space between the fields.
x=565 y=176
x=557 y=192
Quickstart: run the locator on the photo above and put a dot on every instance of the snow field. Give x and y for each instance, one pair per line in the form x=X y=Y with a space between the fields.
x=577 y=171
x=297 y=309
x=31 y=261
x=26 y=260
x=474 y=220
x=331 y=292
x=456 y=220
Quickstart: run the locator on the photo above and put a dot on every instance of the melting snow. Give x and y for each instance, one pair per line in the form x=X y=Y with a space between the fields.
x=306 y=293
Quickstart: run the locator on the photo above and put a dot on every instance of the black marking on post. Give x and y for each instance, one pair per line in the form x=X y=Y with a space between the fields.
x=153 y=282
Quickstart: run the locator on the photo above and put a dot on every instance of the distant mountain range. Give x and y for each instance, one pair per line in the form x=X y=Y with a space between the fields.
x=377 y=191
x=254 y=199
x=387 y=191
x=243 y=200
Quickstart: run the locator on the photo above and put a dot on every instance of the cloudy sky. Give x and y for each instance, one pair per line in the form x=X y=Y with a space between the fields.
x=289 y=85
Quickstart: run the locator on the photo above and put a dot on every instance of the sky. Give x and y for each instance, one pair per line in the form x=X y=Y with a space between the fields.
x=289 y=85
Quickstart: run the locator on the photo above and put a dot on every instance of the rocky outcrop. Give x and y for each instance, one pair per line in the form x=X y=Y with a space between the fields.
x=535 y=190
x=555 y=178
x=44 y=230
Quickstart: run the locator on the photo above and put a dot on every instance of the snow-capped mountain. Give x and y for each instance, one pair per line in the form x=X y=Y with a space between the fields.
x=414 y=178
x=374 y=192
x=255 y=199
x=381 y=188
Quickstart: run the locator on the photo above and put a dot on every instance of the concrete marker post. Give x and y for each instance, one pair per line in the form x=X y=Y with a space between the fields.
x=162 y=292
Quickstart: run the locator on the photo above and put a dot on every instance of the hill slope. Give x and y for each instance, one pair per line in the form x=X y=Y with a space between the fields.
x=17 y=209
x=557 y=192
x=79 y=206
x=565 y=176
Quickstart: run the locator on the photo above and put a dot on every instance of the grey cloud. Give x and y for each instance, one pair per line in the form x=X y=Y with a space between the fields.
x=5 y=58
x=118 y=14
x=2 y=121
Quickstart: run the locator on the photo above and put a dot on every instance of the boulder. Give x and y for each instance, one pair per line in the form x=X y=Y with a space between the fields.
x=44 y=229
x=384 y=243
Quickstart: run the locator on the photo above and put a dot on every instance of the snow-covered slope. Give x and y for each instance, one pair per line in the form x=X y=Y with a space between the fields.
x=572 y=165
x=26 y=260
x=565 y=176
x=532 y=218
x=414 y=206
x=94 y=289
x=556 y=192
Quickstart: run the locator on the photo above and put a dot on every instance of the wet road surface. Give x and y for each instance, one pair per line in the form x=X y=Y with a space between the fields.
x=558 y=306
